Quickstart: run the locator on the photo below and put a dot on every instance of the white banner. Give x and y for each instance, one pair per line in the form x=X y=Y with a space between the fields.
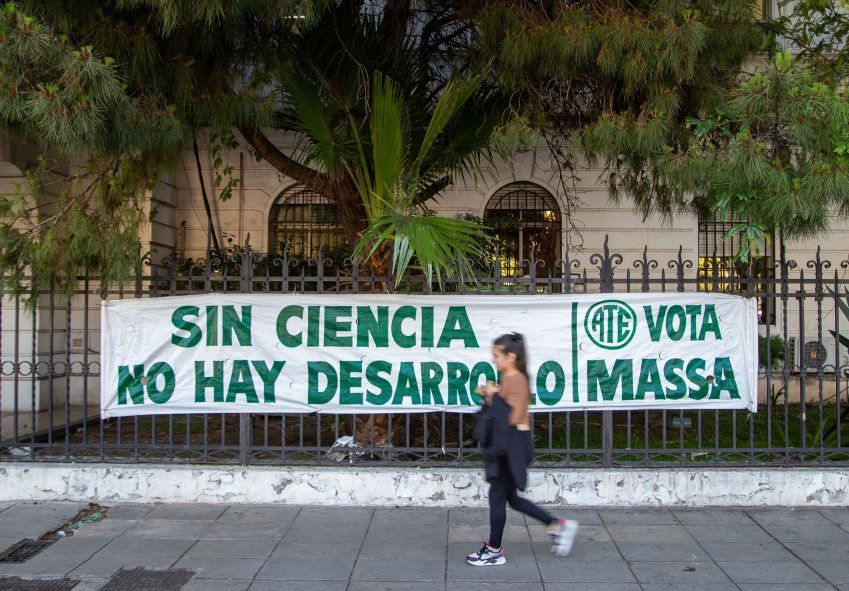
x=272 y=353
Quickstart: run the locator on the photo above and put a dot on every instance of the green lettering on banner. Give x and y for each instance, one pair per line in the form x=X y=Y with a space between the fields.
x=212 y=326
x=599 y=378
x=402 y=339
x=242 y=382
x=349 y=378
x=702 y=388
x=313 y=325
x=458 y=380
x=457 y=326
x=333 y=325
x=156 y=394
x=384 y=388
x=231 y=323
x=178 y=319
x=427 y=326
x=286 y=338
x=655 y=324
x=407 y=387
x=431 y=378
x=314 y=370
x=481 y=368
x=553 y=396
x=723 y=375
x=675 y=330
x=710 y=323
x=269 y=376
x=693 y=312
x=132 y=383
x=576 y=395
x=649 y=381
x=675 y=379
x=371 y=326
x=215 y=381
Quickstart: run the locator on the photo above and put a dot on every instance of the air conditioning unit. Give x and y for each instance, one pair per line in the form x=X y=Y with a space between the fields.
x=815 y=354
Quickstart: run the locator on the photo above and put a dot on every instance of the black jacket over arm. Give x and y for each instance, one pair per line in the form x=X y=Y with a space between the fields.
x=503 y=444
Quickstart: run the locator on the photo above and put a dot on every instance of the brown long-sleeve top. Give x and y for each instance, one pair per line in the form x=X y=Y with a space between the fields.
x=516 y=391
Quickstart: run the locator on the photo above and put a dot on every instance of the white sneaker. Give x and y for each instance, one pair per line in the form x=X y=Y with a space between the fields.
x=487 y=556
x=564 y=537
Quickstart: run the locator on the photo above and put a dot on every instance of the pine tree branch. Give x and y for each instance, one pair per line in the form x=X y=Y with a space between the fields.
x=305 y=175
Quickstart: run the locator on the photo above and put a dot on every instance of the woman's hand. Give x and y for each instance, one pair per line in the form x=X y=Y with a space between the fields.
x=487 y=391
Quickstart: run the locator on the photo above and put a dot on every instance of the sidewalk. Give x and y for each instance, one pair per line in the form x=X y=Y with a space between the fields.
x=288 y=548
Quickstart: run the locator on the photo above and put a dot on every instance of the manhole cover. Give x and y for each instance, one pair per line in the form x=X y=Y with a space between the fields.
x=16 y=584
x=140 y=579
x=24 y=550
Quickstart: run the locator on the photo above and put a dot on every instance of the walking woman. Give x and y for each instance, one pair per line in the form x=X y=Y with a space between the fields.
x=504 y=432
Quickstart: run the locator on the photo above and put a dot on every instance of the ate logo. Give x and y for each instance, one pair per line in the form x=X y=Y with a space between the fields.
x=611 y=324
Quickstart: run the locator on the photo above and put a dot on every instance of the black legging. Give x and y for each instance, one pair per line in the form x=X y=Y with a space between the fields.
x=503 y=491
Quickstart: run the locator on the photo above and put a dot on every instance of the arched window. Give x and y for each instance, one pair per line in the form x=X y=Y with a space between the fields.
x=525 y=216
x=304 y=220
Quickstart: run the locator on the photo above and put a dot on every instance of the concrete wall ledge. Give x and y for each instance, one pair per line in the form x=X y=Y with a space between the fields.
x=421 y=487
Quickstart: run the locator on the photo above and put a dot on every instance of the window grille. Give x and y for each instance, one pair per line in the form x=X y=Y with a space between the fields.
x=304 y=220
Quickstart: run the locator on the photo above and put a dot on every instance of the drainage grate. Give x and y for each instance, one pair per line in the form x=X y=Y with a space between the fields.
x=24 y=550
x=140 y=579
x=16 y=584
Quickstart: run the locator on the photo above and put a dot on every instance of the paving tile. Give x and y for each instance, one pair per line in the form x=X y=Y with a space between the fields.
x=397 y=586
x=838 y=515
x=729 y=533
x=301 y=568
x=405 y=516
x=105 y=528
x=5 y=505
x=221 y=530
x=712 y=517
x=185 y=511
x=592 y=587
x=335 y=515
x=407 y=551
x=788 y=516
x=808 y=533
x=426 y=568
x=769 y=572
x=479 y=516
x=232 y=548
x=645 y=533
x=219 y=568
x=678 y=572
x=583 y=551
x=492 y=586
x=5 y=542
x=568 y=570
x=41 y=566
x=215 y=585
x=583 y=515
x=271 y=514
x=128 y=511
x=168 y=529
x=653 y=551
x=782 y=587
x=477 y=533
x=747 y=552
x=521 y=565
x=106 y=566
x=637 y=517
x=689 y=587
x=836 y=571
x=299 y=586
x=74 y=546
x=819 y=551
x=146 y=547
x=28 y=527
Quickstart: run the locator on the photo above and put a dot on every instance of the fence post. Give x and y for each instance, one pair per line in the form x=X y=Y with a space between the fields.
x=246 y=279
x=606 y=265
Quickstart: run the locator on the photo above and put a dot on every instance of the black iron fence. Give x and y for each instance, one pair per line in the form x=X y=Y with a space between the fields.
x=50 y=371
